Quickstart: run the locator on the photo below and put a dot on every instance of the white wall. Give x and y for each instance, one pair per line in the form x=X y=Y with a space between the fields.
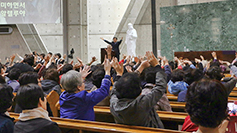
x=52 y=36
x=104 y=17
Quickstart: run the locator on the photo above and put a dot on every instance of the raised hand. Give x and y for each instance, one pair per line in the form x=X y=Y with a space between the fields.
x=107 y=66
x=38 y=66
x=80 y=61
x=94 y=59
x=77 y=65
x=12 y=58
x=202 y=57
x=118 y=67
x=64 y=56
x=129 y=68
x=166 y=62
x=224 y=62
x=85 y=71
x=197 y=60
x=152 y=59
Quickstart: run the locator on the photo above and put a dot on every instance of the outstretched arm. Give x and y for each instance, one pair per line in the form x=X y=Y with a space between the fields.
x=106 y=40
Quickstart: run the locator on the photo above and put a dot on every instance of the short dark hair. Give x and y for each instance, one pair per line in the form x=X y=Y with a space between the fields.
x=28 y=77
x=215 y=63
x=43 y=55
x=128 y=86
x=115 y=38
x=5 y=97
x=207 y=103
x=215 y=72
x=29 y=59
x=66 y=68
x=150 y=74
x=172 y=65
x=28 y=96
x=50 y=53
x=58 y=54
x=177 y=75
x=52 y=74
x=97 y=76
x=14 y=74
x=192 y=75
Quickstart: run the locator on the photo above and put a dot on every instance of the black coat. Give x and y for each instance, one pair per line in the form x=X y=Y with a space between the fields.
x=115 y=46
x=38 y=125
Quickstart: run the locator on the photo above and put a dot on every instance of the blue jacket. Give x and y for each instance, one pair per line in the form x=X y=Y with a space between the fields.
x=80 y=105
x=175 y=88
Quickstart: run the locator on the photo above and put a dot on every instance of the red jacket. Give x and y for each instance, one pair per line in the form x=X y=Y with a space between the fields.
x=188 y=125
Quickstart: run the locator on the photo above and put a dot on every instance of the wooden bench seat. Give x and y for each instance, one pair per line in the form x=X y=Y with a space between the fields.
x=233 y=94
x=177 y=106
x=90 y=126
x=172 y=97
x=164 y=115
x=171 y=120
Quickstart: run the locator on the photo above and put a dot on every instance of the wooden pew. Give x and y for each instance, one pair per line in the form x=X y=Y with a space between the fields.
x=171 y=120
x=227 y=75
x=233 y=94
x=235 y=89
x=177 y=106
x=232 y=99
x=174 y=98
x=164 y=115
x=52 y=99
x=101 y=127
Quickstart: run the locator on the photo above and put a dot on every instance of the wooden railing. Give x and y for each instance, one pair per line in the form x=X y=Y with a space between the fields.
x=90 y=126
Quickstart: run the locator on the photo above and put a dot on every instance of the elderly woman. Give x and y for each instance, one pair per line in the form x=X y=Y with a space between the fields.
x=75 y=102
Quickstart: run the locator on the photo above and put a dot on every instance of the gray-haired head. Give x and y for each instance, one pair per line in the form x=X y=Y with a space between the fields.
x=71 y=80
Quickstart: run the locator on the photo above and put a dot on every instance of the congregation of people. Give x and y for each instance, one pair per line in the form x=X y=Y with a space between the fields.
x=134 y=88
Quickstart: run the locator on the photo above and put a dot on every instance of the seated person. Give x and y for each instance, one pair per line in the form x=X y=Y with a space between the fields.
x=75 y=102
x=176 y=83
x=216 y=73
x=27 y=78
x=207 y=105
x=34 y=117
x=150 y=78
x=6 y=96
x=191 y=75
x=26 y=65
x=97 y=77
x=127 y=105
x=51 y=81
x=13 y=76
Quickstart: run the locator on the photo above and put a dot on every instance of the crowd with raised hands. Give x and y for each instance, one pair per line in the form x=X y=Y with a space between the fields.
x=139 y=87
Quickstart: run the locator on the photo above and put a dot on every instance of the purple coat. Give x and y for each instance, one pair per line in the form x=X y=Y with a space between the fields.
x=80 y=105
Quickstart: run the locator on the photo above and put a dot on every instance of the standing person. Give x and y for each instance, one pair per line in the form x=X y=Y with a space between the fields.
x=115 y=45
x=131 y=39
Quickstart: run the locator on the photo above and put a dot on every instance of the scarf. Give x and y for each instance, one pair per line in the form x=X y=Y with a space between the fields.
x=34 y=113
